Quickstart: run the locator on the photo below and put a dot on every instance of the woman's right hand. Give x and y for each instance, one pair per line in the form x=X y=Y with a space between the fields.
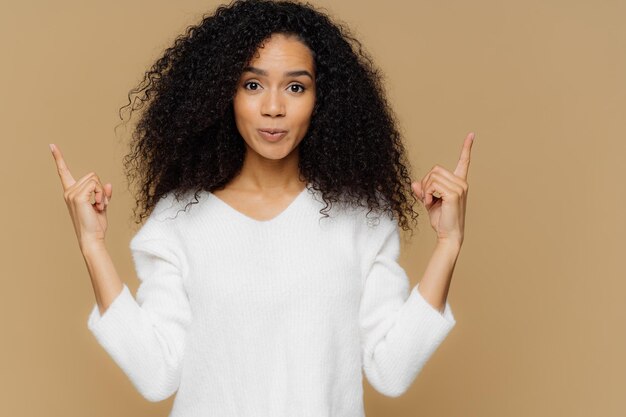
x=89 y=219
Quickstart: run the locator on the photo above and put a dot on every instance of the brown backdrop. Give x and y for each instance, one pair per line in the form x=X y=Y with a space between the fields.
x=538 y=289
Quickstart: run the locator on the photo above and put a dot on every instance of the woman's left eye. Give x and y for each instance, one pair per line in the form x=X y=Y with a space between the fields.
x=297 y=86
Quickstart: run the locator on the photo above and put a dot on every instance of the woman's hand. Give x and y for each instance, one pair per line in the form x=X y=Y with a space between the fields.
x=90 y=221
x=447 y=212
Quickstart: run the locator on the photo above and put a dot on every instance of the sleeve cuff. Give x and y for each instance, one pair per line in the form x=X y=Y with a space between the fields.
x=432 y=324
x=447 y=311
x=116 y=311
x=447 y=315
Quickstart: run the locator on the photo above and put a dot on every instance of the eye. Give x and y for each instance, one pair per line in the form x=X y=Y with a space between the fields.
x=297 y=86
x=251 y=83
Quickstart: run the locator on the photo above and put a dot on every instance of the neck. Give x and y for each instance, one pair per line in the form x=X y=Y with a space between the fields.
x=269 y=175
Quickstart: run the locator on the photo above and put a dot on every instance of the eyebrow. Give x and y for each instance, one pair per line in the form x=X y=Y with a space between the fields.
x=296 y=73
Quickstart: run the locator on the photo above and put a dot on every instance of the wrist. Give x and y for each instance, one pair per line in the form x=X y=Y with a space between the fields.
x=91 y=246
x=451 y=245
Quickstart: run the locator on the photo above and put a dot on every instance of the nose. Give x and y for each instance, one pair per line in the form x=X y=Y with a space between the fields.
x=273 y=104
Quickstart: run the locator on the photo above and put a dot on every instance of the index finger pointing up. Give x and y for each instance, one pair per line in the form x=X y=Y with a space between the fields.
x=464 y=161
x=64 y=173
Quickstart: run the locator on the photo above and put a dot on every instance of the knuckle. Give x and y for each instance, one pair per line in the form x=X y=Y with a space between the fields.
x=95 y=177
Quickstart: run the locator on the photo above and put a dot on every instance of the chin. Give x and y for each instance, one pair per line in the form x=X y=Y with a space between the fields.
x=279 y=152
x=274 y=156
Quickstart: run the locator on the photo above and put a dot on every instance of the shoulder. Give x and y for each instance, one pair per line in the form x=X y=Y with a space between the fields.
x=380 y=228
x=368 y=223
x=372 y=221
x=371 y=228
x=161 y=233
x=164 y=220
x=375 y=232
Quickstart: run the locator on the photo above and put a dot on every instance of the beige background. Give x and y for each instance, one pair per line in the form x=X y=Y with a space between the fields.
x=538 y=290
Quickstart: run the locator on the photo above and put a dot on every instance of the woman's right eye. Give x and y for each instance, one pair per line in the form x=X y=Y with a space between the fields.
x=251 y=83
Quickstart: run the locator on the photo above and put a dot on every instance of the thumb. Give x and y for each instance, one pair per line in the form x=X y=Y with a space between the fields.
x=108 y=191
x=417 y=190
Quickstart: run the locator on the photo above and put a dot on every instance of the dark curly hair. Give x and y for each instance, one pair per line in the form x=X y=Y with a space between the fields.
x=186 y=138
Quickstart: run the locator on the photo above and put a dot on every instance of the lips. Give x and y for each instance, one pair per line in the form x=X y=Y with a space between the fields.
x=272 y=135
x=273 y=130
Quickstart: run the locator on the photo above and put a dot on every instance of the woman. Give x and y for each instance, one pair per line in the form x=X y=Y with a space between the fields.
x=250 y=303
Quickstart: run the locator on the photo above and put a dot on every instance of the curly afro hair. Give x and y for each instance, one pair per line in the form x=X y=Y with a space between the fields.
x=186 y=138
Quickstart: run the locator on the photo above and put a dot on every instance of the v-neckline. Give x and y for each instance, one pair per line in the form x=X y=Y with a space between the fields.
x=249 y=219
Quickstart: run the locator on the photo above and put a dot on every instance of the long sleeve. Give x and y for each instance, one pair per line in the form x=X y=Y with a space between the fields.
x=400 y=329
x=146 y=336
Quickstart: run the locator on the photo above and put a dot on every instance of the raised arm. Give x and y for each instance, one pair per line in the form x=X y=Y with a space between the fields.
x=146 y=336
x=90 y=225
x=400 y=329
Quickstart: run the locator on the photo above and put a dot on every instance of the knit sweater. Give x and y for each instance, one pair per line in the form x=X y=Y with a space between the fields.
x=281 y=318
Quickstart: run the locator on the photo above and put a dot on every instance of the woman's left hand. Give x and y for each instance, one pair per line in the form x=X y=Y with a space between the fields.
x=447 y=212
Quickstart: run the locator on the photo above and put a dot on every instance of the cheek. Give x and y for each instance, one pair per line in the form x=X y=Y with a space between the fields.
x=305 y=112
x=241 y=118
x=243 y=109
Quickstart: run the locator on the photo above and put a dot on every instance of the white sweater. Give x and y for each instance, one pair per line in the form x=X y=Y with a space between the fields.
x=242 y=317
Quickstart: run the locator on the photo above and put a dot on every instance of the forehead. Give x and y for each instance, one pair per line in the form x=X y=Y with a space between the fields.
x=283 y=52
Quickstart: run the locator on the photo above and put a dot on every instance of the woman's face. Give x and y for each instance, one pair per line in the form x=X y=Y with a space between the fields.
x=276 y=92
